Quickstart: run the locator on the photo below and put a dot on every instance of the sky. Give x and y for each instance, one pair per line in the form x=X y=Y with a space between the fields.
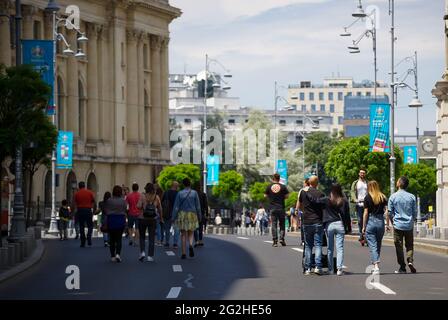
x=288 y=41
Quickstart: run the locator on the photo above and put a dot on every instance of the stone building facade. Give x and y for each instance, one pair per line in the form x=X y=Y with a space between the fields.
x=115 y=100
x=441 y=93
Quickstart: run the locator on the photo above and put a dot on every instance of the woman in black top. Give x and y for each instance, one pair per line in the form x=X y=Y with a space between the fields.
x=337 y=223
x=375 y=206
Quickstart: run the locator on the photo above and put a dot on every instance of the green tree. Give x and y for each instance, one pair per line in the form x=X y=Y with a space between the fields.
x=178 y=173
x=256 y=193
x=229 y=187
x=422 y=179
x=291 y=201
x=349 y=155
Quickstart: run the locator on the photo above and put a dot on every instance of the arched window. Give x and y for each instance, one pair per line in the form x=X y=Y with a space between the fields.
x=146 y=116
x=81 y=109
x=92 y=183
x=60 y=104
x=70 y=187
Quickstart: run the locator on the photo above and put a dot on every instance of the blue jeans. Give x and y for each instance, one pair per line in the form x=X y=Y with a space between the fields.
x=360 y=214
x=85 y=217
x=374 y=236
x=335 y=229
x=168 y=223
x=160 y=235
x=313 y=238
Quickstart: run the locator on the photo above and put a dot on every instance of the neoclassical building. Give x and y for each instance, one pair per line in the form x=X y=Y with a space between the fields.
x=115 y=100
x=441 y=93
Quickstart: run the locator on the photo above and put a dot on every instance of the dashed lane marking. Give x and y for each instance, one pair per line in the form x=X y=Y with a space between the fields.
x=244 y=238
x=382 y=288
x=174 y=292
x=268 y=241
x=170 y=253
x=297 y=249
x=177 y=268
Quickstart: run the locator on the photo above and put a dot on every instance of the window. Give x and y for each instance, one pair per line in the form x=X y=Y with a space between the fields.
x=36 y=30
x=359 y=94
x=302 y=96
x=322 y=108
x=340 y=96
x=331 y=96
x=331 y=107
x=81 y=107
x=232 y=122
x=321 y=96
x=146 y=117
x=294 y=107
x=282 y=122
x=340 y=120
x=299 y=139
x=311 y=96
x=303 y=107
x=313 y=108
x=299 y=122
x=368 y=94
x=122 y=55
x=187 y=121
x=349 y=94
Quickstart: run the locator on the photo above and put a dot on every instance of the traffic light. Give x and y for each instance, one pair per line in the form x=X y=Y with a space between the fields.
x=201 y=85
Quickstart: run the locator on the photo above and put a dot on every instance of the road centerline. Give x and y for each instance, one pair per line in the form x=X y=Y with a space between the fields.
x=174 y=292
x=382 y=288
x=177 y=268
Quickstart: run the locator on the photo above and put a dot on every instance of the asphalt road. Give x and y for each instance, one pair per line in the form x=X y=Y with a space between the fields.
x=227 y=267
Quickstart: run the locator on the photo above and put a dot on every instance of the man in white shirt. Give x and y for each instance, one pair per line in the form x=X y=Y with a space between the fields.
x=358 y=193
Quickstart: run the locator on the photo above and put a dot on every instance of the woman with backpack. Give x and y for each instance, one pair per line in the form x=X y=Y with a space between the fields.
x=186 y=215
x=148 y=220
x=115 y=209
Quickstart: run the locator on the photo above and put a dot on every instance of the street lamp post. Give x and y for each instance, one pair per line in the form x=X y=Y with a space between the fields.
x=392 y=109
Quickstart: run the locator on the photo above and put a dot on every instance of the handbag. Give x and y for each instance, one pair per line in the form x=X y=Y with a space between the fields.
x=103 y=227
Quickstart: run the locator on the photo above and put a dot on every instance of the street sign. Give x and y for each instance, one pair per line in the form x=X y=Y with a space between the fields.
x=39 y=53
x=410 y=155
x=427 y=147
x=282 y=170
x=212 y=170
x=379 y=127
x=64 y=151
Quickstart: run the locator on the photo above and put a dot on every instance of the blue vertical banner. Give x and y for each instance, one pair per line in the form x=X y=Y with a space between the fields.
x=39 y=53
x=410 y=155
x=64 y=151
x=282 y=170
x=212 y=170
x=379 y=127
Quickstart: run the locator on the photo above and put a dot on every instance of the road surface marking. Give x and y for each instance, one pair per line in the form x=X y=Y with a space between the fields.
x=243 y=238
x=297 y=249
x=382 y=288
x=268 y=242
x=188 y=281
x=174 y=293
x=170 y=253
x=177 y=268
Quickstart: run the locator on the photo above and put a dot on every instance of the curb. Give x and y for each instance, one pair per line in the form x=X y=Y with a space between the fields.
x=27 y=264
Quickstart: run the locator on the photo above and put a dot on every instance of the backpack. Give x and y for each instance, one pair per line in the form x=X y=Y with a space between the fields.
x=150 y=211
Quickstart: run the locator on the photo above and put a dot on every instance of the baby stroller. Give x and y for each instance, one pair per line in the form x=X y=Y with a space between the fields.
x=324 y=257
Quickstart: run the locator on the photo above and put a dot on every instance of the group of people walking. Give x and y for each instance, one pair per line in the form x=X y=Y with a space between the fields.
x=149 y=213
x=329 y=216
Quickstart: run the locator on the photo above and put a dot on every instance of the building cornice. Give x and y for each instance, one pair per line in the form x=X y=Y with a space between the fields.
x=161 y=7
x=441 y=90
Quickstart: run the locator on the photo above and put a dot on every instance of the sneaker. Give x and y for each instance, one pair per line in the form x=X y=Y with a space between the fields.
x=131 y=243
x=191 y=252
x=275 y=244
x=340 y=272
x=150 y=259
x=376 y=270
x=142 y=257
x=118 y=258
x=183 y=256
x=196 y=245
x=400 y=271
x=308 y=272
x=318 y=271
x=411 y=266
x=89 y=242
x=113 y=259
x=106 y=244
x=283 y=243
x=61 y=239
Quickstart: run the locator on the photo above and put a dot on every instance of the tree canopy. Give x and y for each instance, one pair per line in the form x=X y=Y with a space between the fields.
x=422 y=179
x=229 y=187
x=178 y=173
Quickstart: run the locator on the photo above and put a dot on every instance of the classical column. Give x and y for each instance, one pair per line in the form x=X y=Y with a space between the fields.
x=141 y=89
x=72 y=90
x=156 y=92
x=28 y=18
x=48 y=25
x=103 y=84
x=165 y=91
x=5 y=36
x=92 y=80
x=132 y=87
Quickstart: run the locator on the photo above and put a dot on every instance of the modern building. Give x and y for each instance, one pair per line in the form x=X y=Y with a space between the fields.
x=441 y=93
x=329 y=98
x=357 y=114
x=115 y=100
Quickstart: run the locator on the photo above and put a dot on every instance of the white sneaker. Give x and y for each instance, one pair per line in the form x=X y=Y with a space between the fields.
x=308 y=272
x=317 y=271
x=142 y=256
x=376 y=270
x=118 y=258
x=340 y=272
x=150 y=259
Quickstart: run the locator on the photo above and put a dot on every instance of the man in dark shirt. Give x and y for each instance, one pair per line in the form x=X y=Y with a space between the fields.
x=168 y=199
x=312 y=226
x=277 y=193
